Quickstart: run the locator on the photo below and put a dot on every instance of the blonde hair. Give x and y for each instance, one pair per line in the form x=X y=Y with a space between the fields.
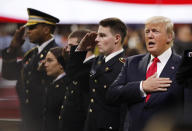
x=161 y=19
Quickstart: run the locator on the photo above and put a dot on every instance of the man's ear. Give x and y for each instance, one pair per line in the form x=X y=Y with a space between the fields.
x=117 y=38
x=46 y=29
x=170 y=38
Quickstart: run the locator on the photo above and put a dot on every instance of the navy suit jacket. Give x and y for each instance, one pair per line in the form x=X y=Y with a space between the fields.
x=126 y=89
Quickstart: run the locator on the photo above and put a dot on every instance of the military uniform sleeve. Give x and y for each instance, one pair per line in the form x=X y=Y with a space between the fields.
x=10 y=67
x=75 y=62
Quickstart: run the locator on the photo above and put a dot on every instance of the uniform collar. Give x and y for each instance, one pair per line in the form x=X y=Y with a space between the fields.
x=42 y=46
x=89 y=58
x=107 y=58
x=59 y=77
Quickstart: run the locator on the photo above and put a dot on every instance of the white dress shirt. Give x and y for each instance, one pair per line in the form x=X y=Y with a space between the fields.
x=42 y=46
x=163 y=58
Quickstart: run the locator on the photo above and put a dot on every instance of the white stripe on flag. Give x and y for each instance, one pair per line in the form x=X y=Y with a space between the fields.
x=92 y=11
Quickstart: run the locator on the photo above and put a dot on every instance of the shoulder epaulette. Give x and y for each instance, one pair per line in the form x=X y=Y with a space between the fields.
x=28 y=52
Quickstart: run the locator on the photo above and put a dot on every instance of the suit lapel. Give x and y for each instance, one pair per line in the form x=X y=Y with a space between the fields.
x=43 y=53
x=169 y=68
x=31 y=62
x=168 y=71
x=96 y=64
x=143 y=65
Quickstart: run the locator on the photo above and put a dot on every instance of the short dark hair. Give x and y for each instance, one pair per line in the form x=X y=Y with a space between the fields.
x=61 y=57
x=79 y=34
x=116 y=26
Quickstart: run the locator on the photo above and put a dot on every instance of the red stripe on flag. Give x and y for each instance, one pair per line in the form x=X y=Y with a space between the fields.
x=11 y=20
x=172 y=2
x=10 y=113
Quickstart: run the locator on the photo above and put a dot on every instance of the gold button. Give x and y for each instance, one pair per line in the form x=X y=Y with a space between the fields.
x=26 y=101
x=99 y=62
x=27 y=91
x=62 y=107
x=93 y=90
x=60 y=117
x=90 y=110
x=57 y=86
x=41 y=56
x=65 y=97
x=105 y=86
x=95 y=81
x=92 y=100
x=107 y=68
x=72 y=92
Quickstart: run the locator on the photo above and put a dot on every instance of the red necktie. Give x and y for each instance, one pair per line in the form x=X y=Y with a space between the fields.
x=151 y=70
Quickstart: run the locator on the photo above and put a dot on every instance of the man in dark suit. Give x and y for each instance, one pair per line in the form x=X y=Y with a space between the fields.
x=147 y=82
x=109 y=39
x=30 y=81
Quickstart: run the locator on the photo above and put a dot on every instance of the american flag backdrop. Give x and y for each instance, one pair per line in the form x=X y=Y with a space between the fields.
x=92 y=11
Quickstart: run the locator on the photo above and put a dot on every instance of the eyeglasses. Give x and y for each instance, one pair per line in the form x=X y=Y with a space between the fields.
x=31 y=27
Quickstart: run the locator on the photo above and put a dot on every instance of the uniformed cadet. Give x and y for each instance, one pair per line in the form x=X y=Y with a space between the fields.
x=55 y=66
x=30 y=82
x=106 y=67
x=75 y=104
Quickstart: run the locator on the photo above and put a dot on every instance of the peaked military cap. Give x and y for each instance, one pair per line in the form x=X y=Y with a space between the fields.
x=36 y=17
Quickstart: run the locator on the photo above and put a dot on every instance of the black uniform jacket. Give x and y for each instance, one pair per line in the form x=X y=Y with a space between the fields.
x=53 y=100
x=101 y=114
x=30 y=86
x=75 y=104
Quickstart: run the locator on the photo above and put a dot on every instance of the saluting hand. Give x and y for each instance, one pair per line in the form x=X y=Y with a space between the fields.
x=18 y=39
x=154 y=84
x=88 y=42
